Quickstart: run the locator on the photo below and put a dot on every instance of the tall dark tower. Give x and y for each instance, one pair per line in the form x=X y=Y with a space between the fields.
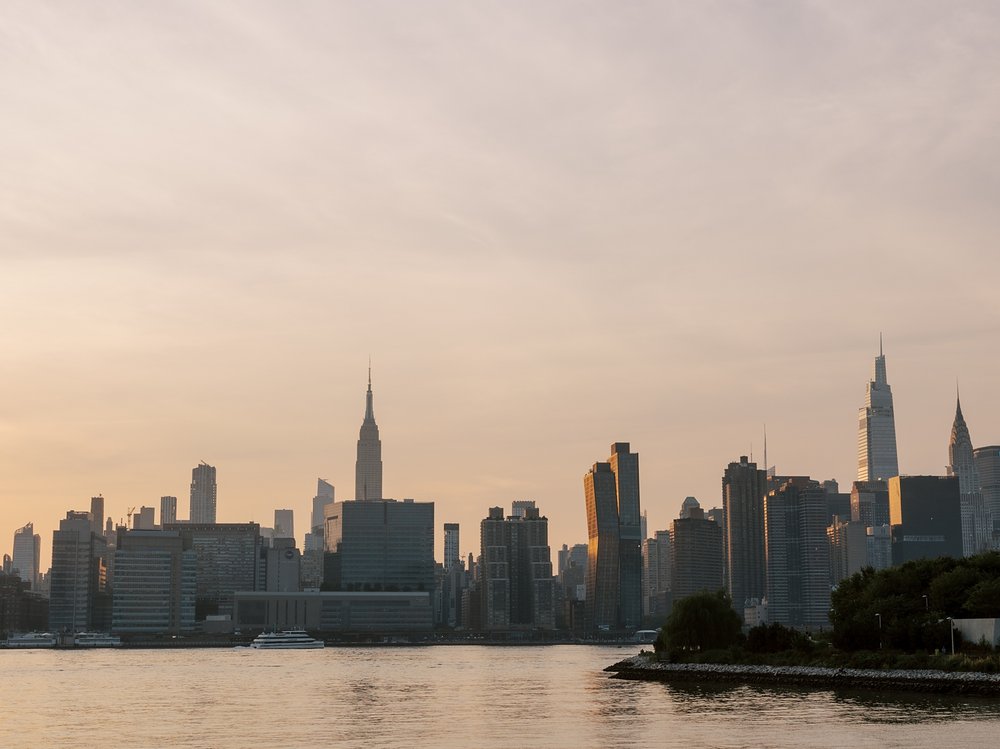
x=625 y=465
x=368 y=469
x=743 y=488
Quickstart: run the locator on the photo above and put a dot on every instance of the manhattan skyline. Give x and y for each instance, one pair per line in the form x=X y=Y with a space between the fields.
x=553 y=228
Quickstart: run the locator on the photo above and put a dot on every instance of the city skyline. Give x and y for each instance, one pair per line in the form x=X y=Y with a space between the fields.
x=552 y=227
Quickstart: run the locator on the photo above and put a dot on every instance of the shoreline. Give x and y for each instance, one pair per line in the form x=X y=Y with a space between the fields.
x=641 y=668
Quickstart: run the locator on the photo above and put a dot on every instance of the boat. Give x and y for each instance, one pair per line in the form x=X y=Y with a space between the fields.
x=31 y=640
x=96 y=640
x=289 y=639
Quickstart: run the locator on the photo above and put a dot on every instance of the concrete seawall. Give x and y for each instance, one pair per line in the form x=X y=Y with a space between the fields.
x=641 y=668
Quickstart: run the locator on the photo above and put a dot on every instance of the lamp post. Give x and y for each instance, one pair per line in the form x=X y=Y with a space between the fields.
x=879 y=617
x=951 y=629
x=927 y=605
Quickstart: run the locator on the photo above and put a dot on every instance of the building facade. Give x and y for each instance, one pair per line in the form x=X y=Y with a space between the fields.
x=155 y=584
x=798 y=555
x=743 y=488
x=79 y=598
x=378 y=545
x=696 y=554
x=517 y=583
x=203 y=494
x=988 y=467
x=27 y=554
x=168 y=510
x=603 y=560
x=625 y=466
x=228 y=560
x=925 y=515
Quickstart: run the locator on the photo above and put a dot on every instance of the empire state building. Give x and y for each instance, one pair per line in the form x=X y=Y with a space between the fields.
x=368 y=469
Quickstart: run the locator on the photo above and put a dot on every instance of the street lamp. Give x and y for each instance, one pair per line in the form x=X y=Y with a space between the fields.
x=879 y=617
x=951 y=629
x=927 y=605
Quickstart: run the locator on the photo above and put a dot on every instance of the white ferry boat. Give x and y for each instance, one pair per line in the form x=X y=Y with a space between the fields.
x=31 y=640
x=289 y=639
x=96 y=640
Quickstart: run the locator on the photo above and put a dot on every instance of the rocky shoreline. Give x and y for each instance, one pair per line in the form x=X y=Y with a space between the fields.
x=642 y=668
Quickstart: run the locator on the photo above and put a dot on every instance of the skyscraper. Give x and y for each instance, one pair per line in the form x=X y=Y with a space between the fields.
x=284 y=524
x=168 y=510
x=602 y=577
x=988 y=466
x=743 y=487
x=798 y=554
x=78 y=597
x=877 y=428
x=324 y=496
x=97 y=514
x=925 y=513
x=368 y=469
x=203 y=493
x=625 y=466
x=517 y=562
x=977 y=523
x=451 y=555
x=27 y=554
x=696 y=552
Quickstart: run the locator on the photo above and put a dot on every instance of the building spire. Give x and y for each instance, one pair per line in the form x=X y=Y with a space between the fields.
x=879 y=344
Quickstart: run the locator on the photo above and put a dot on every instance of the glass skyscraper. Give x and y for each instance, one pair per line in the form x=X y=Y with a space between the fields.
x=877 y=428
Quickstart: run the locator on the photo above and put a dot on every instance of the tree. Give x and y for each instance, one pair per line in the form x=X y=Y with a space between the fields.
x=704 y=621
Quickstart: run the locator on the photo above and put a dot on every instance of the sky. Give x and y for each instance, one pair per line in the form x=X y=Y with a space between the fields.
x=552 y=226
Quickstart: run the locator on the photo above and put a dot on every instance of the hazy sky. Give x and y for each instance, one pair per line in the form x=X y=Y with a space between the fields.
x=552 y=225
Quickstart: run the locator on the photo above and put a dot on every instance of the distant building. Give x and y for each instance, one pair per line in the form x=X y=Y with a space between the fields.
x=848 y=549
x=977 y=521
x=27 y=555
x=375 y=545
x=452 y=558
x=382 y=613
x=656 y=561
x=625 y=466
x=79 y=598
x=168 y=510
x=926 y=517
x=870 y=503
x=877 y=428
x=368 y=468
x=203 y=494
x=696 y=553
x=21 y=610
x=144 y=519
x=603 y=560
x=284 y=524
x=97 y=514
x=228 y=560
x=743 y=487
x=155 y=585
x=798 y=555
x=987 y=461
x=283 y=566
x=614 y=577
x=517 y=585
x=878 y=544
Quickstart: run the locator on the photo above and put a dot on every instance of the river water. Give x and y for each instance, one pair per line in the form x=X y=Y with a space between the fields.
x=455 y=696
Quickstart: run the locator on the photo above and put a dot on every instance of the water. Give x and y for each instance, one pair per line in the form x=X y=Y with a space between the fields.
x=460 y=696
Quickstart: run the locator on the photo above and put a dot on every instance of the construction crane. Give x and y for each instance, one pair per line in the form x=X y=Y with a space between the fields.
x=129 y=514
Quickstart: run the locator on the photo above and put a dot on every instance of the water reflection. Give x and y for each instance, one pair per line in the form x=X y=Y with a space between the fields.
x=444 y=697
